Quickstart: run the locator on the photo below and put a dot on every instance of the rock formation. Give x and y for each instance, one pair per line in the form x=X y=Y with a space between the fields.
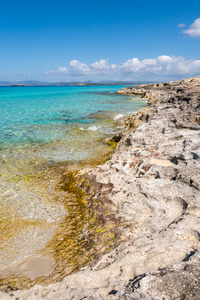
x=152 y=182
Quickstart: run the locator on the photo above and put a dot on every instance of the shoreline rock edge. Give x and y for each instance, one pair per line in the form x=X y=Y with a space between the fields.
x=153 y=182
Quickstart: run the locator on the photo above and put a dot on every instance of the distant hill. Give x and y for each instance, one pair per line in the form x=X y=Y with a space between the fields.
x=88 y=82
x=24 y=83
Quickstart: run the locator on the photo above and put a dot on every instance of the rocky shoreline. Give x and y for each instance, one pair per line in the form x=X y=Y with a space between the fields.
x=150 y=187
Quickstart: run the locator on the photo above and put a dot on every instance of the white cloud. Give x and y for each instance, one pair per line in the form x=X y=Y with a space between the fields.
x=181 y=25
x=60 y=71
x=194 y=29
x=78 y=68
x=101 y=67
x=161 y=67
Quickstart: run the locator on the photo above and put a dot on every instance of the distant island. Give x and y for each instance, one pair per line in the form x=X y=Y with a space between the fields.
x=71 y=83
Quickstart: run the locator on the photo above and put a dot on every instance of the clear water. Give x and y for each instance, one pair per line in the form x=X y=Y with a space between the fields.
x=31 y=115
x=41 y=129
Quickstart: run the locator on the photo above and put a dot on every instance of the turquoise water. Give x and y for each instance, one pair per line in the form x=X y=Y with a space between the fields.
x=45 y=131
x=32 y=115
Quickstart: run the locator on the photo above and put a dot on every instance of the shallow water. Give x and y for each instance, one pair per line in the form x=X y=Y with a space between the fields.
x=32 y=115
x=42 y=130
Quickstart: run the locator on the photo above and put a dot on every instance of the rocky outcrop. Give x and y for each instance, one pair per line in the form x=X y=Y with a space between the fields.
x=152 y=182
x=181 y=281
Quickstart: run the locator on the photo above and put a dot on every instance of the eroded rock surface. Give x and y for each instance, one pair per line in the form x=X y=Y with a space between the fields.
x=152 y=182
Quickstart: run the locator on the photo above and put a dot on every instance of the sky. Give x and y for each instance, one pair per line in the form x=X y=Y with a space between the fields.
x=58 y=41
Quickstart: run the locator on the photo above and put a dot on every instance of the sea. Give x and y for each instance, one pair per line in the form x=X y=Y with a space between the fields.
x=43 y=130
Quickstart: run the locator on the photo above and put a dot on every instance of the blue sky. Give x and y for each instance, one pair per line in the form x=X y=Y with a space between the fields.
x=99 y=40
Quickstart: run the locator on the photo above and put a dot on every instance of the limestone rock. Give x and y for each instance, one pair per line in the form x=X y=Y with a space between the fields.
x=152 y=181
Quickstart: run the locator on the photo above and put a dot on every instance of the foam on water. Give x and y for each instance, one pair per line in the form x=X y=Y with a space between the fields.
x=119 y=116
x=93 y=128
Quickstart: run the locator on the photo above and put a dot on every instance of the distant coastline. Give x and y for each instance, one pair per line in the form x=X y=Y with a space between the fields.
x=72 y=83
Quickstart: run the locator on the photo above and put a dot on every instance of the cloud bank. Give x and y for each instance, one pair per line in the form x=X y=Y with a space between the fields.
x=194 y=29
x=163 y=66
x=101 y=67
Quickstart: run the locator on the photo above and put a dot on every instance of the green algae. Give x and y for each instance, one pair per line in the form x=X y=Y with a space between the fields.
x=88 y=230
x=81 y=238
x=82 y=235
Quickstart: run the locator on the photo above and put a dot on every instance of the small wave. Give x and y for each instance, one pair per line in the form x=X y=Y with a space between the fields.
x=119 y=116
x=93 y=128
